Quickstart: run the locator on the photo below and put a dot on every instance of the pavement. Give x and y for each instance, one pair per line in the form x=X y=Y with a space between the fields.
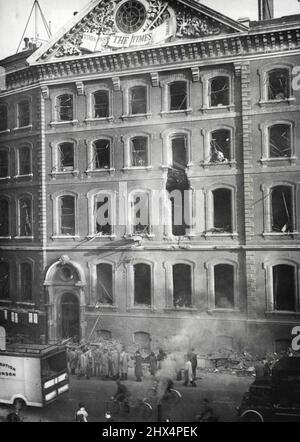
x=224 y=390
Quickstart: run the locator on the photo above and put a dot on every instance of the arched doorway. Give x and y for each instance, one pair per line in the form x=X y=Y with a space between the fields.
x=70 y=314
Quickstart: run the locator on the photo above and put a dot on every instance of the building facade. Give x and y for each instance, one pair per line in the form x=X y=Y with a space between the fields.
x=134 y=109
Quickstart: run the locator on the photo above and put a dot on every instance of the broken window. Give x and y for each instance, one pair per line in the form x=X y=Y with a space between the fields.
x=280 y=140
x=222 y=211
x=105 y=284
x=142 y=284
x=24 y=160
x=284 y=287
x=141 y=215
x=4 y=280
x=278 y=84
x=219 y=91
x=139 y=152
x=25 y=217
x=282 y=209
x=178 y=95
x=224 y=286
x=67 y=215
x=103 y=215
x=64 y=107
x=101 y=158
x=179 y=152
x=3 y=117
x=4 y=218
x=101 y=104
x=26 y=281
x=138 y=100
x=220 y=146
x=182 y=288
x=24 y=113
x=66 y=157
x=4 y=163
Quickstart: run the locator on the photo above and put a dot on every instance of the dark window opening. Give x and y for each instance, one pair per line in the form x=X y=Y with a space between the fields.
x=282 y=209
x=280 y=140
x=64 y=107
x=278 y=84
x=179 y=153
x=67 y=215
x=224 y=286
x=139 y=152
x=4 y=280
x=4 y=218
x=4 y=164
x=66 y=157
x=24 y=114
x=222 y=211
x=138 y=100
x=101 y=104
x=178 y=96
x=219 y=91
x=3 y=117
x=25 y=217
x=103 y=216
x=24 y=161
x=284 y=287
x=104 y=284
x=101 y=158
x=220 y=146
x=182 y=288
x=26 y=282
x=141 y=224
x=142 y=284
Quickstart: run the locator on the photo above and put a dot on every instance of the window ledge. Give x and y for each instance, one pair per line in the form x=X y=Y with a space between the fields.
x=276 y=102
x=229 y=108
x=230 y=163
x=180 y=309
x=132 y=116
x=74 y=237
x=5 y=178
x=137 y=168
x=29 y=175
x=98 y=235
x=6 y=301
x=6 y=131
x=233 y=235
x=64 y=172
x=26 y=303
x=140 y=308
x=5 y=237
x=187 y=111
x=63 y=123
x=93 y=171
x=279 y=234
x=292 y=160
x=282 y=312
x=24 y=237
x=223 y=310
x=98 y=120
x=16 y=129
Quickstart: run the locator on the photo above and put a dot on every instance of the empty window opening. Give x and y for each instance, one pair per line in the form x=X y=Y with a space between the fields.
x=219 y=91
x=220 y=146
x=222 y=211
x=64 y=107
x=4 y=280
x=138 y=100
x=104 y=284
x=224 y=288
x=4 y=218
x=103 y=215
x=106 y=335
x=178 y=95
x=26 y=281
x=4 y=163
x=101 y=157
x=282 y=209
x=24 y=161
x=284 y=280
x=24 y=113
x=140 y=206
x=143 y=341
x=142 y=284
x=66 y=157
x=101 y=104
x=278 y=84
x=67 y=215
x=25 y=217
x=280 y=140
x=139 y=152
x=179 y=153
x=182 y=288
x=3 y=117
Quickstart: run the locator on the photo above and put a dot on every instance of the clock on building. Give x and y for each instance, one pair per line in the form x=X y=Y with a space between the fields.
x=130 y=16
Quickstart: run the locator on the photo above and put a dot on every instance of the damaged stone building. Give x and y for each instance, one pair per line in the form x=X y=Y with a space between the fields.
x=164 y=108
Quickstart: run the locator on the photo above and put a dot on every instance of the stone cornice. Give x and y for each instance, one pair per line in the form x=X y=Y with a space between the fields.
x=235 y=46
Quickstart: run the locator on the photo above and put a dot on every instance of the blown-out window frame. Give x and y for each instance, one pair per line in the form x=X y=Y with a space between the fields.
x=130 y=295
x=7 y=151
x=90 y=103
x=130 y=218
x=127 y=141
x=56 y=169
x=57 y=215
x=94 y=283
x=265 y=133
x=55 y=113
x=21 y=287
x=166 y=97
x=18 y=210
x=264 y=82
x=126 y=89
x=207 y=135
x=4 y=105
x=205 y=79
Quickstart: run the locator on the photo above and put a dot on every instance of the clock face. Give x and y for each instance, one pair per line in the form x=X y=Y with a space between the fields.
x=130 y=16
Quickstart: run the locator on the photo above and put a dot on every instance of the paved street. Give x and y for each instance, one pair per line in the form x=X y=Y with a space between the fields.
x=224 y=390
